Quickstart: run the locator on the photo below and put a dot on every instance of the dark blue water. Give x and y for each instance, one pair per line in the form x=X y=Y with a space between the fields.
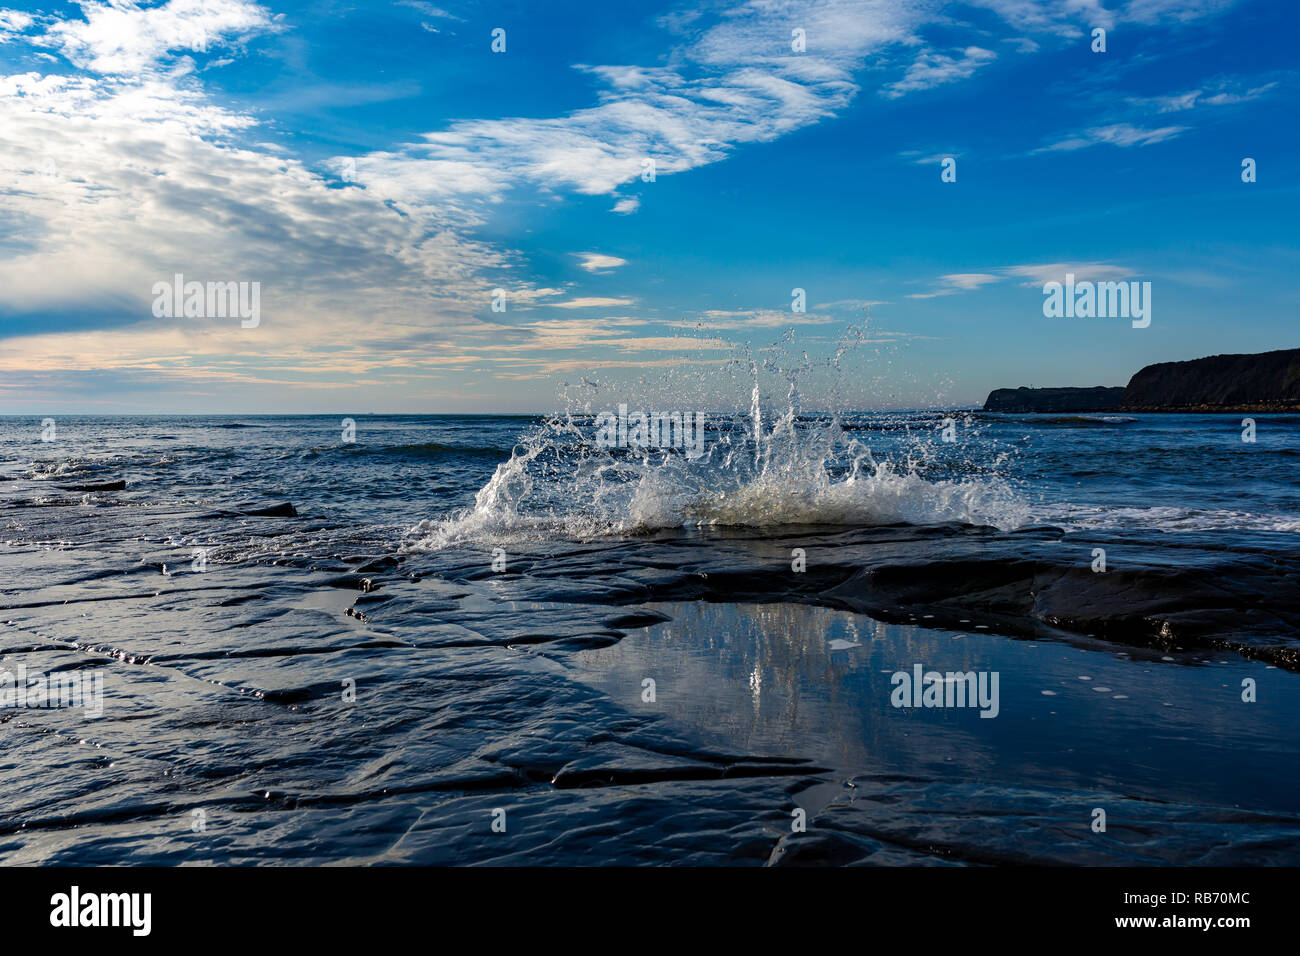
x=495 y=590
x=1149 y=473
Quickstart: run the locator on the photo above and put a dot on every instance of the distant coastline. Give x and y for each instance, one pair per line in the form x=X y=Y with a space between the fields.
x=1261 y=382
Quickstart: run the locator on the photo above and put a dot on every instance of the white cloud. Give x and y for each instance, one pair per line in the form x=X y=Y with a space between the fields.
x=1152 y=11
x=549 y=369
x=728 y=84
x=111 y=184
x=126 y=38
x=920 y=159
x=597 y=262
x=1223 y=93
x=527 y=296
x=932 y=69
x=1035 y=274
x=126 y=172
x=958 y=282
x=1116 y=134
x=855 y=304
x=607 y=332
x=1022 y=44
x=720 y=319
x=1056 y=272
x=429 y=10
x=13 y=21
x=1061 y=17
x=969 y=280
x=590 y=302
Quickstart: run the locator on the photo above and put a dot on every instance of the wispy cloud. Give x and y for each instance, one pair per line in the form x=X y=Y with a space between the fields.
x=854 y=304
x=1224 y=92
x=1042 y=273
x=1061 y=18
x=722 y=320
x=932 y=69
x=544 y=370
x=1135 y=113
x=958 y=282
x=598 y=262
x=1032 y=274
x=920 y=158
x=590 y=302
x=429 y=10
x=1117 y=134
x=733 y=82
x=1183 y=11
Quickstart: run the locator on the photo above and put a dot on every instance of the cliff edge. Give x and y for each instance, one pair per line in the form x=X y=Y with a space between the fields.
x=1259 y=382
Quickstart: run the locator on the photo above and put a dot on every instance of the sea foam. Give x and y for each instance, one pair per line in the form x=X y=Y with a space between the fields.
x=802 y=471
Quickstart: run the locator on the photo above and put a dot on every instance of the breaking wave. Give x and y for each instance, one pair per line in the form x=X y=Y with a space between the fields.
x=802 y=470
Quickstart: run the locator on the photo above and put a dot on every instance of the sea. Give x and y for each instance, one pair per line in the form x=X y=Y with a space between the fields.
x=897 y=638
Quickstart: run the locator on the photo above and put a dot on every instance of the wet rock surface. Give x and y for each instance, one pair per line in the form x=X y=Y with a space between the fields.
x=228 y=734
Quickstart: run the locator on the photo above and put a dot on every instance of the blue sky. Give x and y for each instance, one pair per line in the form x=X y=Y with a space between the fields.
x=379 y=171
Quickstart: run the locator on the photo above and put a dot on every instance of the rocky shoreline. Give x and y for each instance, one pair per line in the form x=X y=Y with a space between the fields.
x=1261 y=383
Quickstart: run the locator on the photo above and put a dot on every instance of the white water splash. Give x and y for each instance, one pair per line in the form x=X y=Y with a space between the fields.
x=803 y=470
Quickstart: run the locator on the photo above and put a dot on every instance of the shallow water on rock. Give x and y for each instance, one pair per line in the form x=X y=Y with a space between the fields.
x=798 y=680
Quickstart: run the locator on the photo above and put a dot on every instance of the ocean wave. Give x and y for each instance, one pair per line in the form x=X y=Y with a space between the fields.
x=559 y=481
x=431 y=449
x=1076 y=420
x=67 y=468
x=416 y=451
x=1167 y=518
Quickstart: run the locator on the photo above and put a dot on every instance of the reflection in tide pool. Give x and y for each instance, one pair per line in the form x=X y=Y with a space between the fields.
x=801 y=681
